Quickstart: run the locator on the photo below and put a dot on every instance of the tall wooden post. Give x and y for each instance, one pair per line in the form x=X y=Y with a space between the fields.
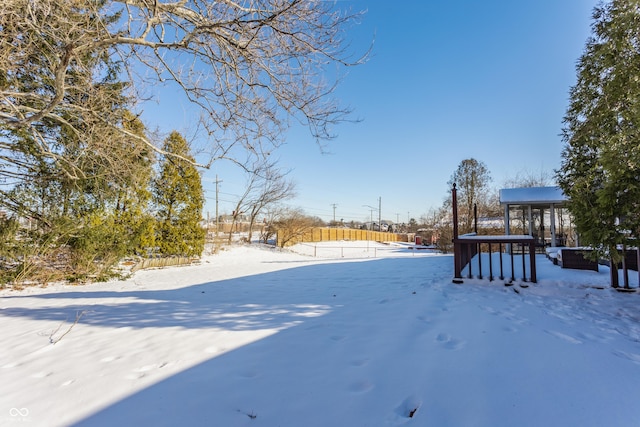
x=454 y=204
x=457 y=267
x=475 y=218
x=532 y=261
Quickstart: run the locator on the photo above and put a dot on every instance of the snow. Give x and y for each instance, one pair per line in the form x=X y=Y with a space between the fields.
x=262 y=337
x=532 y=195
x=496 y=238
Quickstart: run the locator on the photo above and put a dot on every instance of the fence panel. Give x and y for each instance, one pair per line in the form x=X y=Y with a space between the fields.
x=333 y=234
x=161 y=262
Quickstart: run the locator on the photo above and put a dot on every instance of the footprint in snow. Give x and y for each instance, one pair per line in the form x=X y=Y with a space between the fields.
x=135 y=375
x=409 y=407
x=249 y=374
x=425 y=319
x=450 y=343
x=41 y=374
x=148 y=368
x=142 y=371
x=361 y=386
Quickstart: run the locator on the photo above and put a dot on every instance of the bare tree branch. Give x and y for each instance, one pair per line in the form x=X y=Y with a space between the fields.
x=248 y=66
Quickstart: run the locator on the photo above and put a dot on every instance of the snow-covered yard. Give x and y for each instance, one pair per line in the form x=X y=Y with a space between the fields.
x=263 y=337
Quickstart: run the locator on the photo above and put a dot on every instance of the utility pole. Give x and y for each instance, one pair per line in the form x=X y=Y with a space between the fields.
x=371 y=226
x=217 y=216
x=380 y=213
x=334 y=213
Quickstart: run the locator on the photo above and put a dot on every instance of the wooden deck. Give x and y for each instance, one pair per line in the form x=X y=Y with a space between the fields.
x=466 y=247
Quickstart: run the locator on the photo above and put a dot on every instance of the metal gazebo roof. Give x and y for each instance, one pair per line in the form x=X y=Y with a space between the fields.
x=532 y=196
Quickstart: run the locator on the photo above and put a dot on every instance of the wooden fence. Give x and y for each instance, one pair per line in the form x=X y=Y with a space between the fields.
x=322 y=234
x=162 y=262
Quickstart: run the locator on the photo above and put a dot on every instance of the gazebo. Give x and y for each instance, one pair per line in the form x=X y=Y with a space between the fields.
x=544 y=202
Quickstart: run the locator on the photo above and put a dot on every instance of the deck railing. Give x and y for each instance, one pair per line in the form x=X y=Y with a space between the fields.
x=469 y=246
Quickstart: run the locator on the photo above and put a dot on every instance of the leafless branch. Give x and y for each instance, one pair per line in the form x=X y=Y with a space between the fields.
x=53 y=340
x=249 y=67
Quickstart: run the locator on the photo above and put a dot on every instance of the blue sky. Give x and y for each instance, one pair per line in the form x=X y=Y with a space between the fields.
x=447 y=80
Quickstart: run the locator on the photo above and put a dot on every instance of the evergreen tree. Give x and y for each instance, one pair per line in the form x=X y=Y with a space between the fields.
x=600 y=171
x=133 y=193
x=91 y=207
x=179 y=200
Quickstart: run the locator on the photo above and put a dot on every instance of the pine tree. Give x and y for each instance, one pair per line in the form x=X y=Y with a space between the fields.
x=133 y=193
x=110 y=207
x=600 y=171
x=179 y=200
x=93 y=207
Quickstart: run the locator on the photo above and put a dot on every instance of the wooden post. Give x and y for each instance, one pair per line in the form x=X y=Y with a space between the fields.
x=469 y=257
x=532 y=262
x=524 y=268
x=475 y=218
x=454 y=204
x=501 y=271
x=513 y=273
x=490 y=265
x=479 y=253
x=457 y=248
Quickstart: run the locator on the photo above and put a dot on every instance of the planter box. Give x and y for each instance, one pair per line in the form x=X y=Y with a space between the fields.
x=575 y=259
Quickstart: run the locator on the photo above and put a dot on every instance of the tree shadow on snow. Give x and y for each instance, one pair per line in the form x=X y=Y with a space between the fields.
x=268 y=300
x=285 y=378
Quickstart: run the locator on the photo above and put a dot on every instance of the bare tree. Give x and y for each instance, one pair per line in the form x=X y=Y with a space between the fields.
x=293 y=224
x=249 y=66
x=472 y=179
x=273 y=188
x=528 y=178
x=267 y=185
x=272 y=215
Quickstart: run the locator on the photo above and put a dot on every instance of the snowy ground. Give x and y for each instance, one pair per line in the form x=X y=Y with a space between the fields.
x=259 y=337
